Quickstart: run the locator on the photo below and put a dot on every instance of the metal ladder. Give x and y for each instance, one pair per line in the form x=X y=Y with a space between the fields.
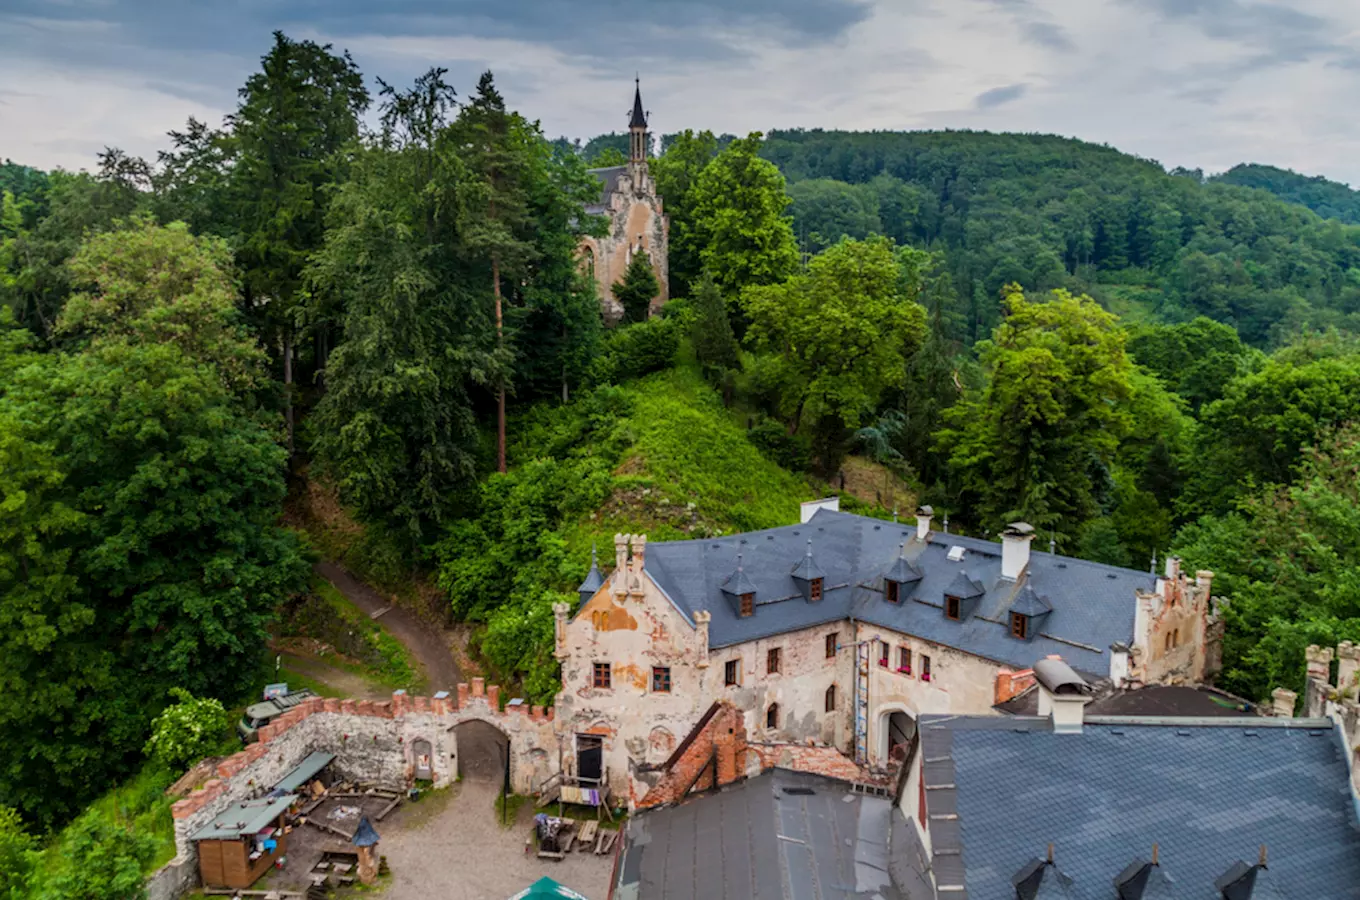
x=862 y=650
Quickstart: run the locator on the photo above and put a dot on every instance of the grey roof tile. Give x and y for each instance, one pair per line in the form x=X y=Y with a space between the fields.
x=1093 y=604
x=1206 y=794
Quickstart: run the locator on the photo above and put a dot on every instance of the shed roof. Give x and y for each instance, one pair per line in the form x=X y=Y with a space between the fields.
x=244 y=819
x=304 y=771
x=1208 y=792
x=1093 y=604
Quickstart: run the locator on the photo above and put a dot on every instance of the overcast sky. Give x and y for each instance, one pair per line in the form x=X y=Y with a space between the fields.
x=1206 y=83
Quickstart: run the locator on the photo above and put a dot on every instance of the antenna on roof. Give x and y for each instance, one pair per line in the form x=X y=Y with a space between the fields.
x=809 y=550
x=946 y=523
x=1050 y=853
x=894 y=513
x=1154 y=855
x=1052 y=543
x=594 y=559
x=1153 y=568
x=1263 y=857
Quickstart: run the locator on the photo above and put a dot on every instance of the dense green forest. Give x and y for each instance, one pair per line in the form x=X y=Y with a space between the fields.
x=380 y=290
x=1329 y=199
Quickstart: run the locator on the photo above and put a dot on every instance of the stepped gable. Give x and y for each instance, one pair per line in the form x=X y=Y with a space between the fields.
x=1093 y=605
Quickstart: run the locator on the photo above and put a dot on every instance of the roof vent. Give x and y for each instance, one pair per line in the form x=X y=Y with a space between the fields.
x=956 y=553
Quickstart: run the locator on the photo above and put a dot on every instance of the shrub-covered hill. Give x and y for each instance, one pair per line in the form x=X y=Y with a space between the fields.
x=660 y=455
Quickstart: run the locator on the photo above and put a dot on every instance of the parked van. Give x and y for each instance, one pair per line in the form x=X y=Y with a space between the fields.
x=261 y=714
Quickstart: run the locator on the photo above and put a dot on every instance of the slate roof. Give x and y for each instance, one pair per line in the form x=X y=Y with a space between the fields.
x=1093 y=604
x=1153 y=700
x=1207 y=792
x=639 y=118
x=609 y=183
x=781 y=835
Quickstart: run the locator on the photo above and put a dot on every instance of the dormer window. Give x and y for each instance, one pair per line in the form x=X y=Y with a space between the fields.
x=809 y=577
x=740 y=591
x=900 y=578
x=1028 y=612
x=961 y=597
x=748 y=605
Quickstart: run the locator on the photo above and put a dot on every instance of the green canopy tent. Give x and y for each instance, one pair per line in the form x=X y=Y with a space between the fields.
x=547 y=889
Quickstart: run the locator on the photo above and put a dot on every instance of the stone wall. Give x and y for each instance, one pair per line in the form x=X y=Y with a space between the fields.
x=1177 y=632
x=636 y=222
x=374 y=742
x=173 y=880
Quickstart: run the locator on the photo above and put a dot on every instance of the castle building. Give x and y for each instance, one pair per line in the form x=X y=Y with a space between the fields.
x=841 y=631
x=637 y=221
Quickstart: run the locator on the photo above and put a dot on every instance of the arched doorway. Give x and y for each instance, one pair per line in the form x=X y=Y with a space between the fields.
x=483 y=751
x=897 y=732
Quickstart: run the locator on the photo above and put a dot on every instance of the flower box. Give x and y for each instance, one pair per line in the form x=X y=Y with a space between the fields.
x=883 y=663
x=925 y=676
x=904 y=670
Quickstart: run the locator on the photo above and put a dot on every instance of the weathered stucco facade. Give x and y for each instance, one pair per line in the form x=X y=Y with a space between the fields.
x=799 y=687
x=636 y=223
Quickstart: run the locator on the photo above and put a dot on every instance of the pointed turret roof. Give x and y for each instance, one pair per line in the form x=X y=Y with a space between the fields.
x=739 y=582
x=1029 y=603
x=807 y=568
x=594 y=580
x=639 y=119
x=364 y=835
x=901 y=570
x=963 y=587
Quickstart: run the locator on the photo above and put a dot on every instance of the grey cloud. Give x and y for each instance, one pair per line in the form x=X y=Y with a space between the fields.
x=1278 y=33
x=1035 y=25
x=999 y=96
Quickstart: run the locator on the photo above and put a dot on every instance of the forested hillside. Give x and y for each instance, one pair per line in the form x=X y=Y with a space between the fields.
x=1049 y=212
x=1013 y=326
x=1329 y=199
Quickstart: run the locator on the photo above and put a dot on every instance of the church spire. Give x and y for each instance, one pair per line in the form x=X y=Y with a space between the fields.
x=637 y=126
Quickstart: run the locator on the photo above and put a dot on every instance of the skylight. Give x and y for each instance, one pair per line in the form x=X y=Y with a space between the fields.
x=956 y=554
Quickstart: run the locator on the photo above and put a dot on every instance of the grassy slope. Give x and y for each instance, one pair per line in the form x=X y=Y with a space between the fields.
x=687 y=450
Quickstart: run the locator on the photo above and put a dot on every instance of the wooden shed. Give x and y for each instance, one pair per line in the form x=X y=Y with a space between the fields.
x=241 y=843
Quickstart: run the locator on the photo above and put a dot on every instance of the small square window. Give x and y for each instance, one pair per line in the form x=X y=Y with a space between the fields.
x=731 y=672
x=661 y=679
x=748 y=605
x=951 y=608
x=1019 y=626
x=772 y=661
x=891 y=592
x=602 y=676
x=831 y=645
x=815 y=589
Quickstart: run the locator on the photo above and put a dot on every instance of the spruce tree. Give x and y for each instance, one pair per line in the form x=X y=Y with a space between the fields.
x=637 y=289
x=711 y=331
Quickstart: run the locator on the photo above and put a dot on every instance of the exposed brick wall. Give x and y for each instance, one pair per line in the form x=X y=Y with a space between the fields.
x=1012 y=684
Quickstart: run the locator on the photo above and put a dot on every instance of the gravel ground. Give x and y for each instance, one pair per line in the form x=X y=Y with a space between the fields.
x=451 y=847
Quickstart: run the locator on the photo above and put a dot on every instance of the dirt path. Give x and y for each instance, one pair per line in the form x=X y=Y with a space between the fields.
x=425 y=642
x=345 y=684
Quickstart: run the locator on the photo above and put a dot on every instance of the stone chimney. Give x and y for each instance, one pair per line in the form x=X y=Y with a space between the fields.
x=1063 y=694
x=923 y=517
x=639 y=553
x=620 y=564
x=1318 y=687
x=1015 y=549
x=1119 y=664
x=1282 y=703
x=701 y=620
x=1173 y=568
x=560 y=611
x=1319 y=663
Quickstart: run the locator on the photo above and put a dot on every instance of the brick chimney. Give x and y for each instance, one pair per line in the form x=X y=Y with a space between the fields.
x=1015 y=549
x=923 y=517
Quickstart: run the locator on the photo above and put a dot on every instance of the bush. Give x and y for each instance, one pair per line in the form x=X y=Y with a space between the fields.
x=636 y=350
x=17 y=848
x=98 y=860
x=790 y=451
x=187 y=731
